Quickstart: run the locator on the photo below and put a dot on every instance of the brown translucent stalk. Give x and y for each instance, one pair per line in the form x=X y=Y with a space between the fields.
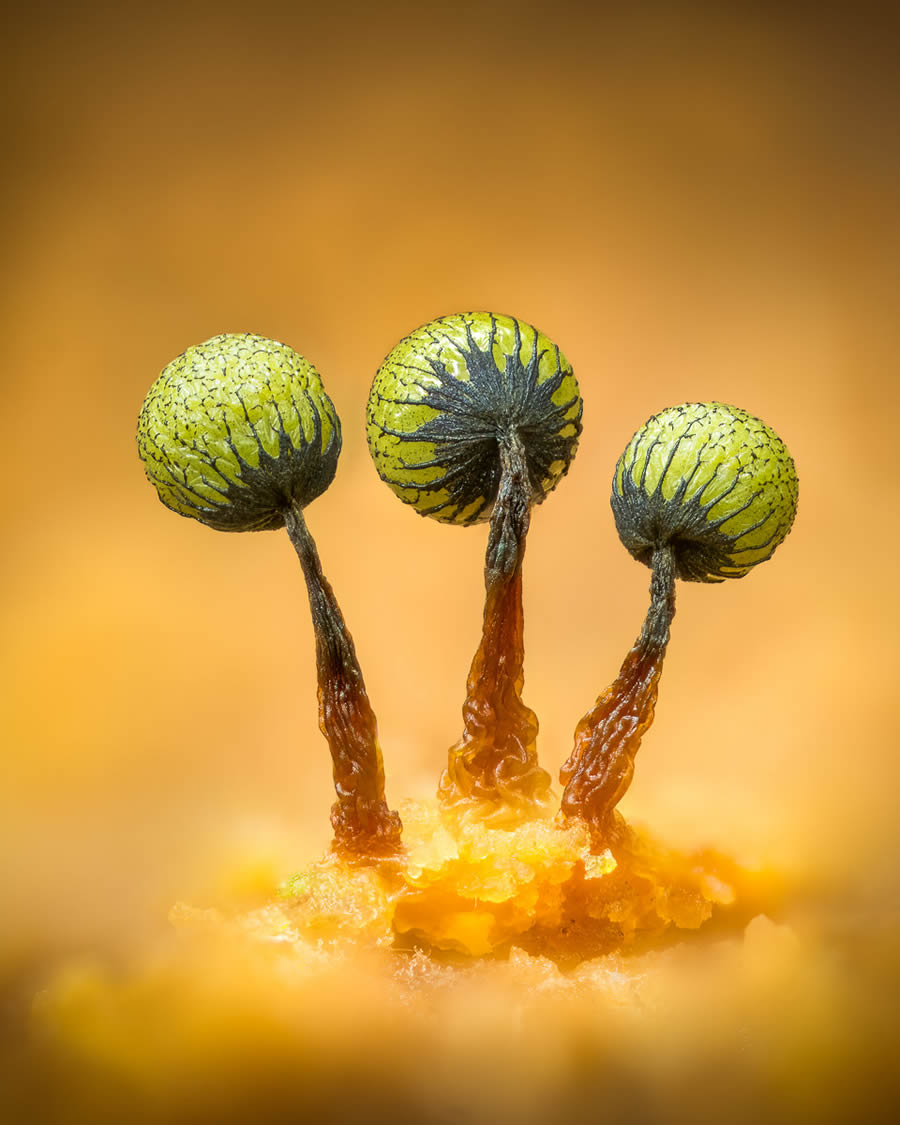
x=601 y=765
x=364 y=826
x=495 y=761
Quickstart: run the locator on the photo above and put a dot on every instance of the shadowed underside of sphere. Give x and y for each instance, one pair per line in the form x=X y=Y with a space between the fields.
x=451 y=393
x=236 y=429
x=712 y=481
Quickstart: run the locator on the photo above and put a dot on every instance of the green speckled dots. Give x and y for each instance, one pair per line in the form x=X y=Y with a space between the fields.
x=712 y=482
x=451 y=393
x=235 y=430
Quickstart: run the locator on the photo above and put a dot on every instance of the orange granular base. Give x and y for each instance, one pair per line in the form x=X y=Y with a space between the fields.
x=468 y=889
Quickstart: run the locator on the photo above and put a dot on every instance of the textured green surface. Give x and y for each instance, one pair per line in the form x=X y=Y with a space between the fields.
x=716 y=482
x=235 y=429
x=450 y=393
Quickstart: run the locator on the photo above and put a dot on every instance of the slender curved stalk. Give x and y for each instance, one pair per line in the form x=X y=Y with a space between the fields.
x=363 y=824
x=495 y=760
x=601 y=765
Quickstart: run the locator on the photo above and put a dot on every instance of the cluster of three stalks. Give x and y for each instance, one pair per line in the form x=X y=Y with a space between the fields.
x=472 y=417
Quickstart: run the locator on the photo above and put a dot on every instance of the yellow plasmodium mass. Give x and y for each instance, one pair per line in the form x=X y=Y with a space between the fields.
x=235 y=429
x=714 y=481
x=451 y=392
x=471 y=889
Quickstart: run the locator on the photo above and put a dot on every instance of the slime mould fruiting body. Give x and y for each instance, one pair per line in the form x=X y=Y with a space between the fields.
x=476 y=417
x=472 y=417
x=703 y=492
x=239 y=433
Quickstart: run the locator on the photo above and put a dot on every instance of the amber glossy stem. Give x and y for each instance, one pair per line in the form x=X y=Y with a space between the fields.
x=363 y=824
x=495 y=760
x=601 y=765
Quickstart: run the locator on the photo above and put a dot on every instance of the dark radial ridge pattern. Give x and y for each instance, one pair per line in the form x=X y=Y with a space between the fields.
x=477 y=415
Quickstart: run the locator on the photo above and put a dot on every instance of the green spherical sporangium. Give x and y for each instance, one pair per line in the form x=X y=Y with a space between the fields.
x=449 y=394
x=235 y=430
x=712 y=482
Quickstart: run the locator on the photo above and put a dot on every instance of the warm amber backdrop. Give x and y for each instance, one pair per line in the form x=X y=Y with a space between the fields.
x=695 y=202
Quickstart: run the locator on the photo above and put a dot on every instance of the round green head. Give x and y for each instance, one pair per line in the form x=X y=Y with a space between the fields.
x=237 y=429
x=451 y=393
x=712 y=482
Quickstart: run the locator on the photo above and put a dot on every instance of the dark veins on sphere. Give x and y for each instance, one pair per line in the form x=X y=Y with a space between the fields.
x=476 y=416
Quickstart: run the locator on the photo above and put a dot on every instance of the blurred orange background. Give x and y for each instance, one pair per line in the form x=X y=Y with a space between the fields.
x=694 y=202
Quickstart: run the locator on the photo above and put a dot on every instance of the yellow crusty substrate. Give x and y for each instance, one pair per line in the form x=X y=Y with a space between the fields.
x=467 y=889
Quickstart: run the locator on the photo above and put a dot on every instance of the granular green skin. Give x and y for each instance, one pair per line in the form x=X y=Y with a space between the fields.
x=712 y=481
x=451 y=393
x=235 y=430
